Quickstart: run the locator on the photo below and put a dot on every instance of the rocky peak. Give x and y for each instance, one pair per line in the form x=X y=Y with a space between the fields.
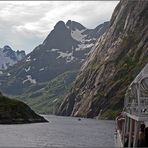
x=9 y=57
x=22 y=53
x=61 y=35
x=7 y=48
x=8 y=52
x=74 y=25
x=60 y=26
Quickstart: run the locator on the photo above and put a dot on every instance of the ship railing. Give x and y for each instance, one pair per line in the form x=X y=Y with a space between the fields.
x=137 y=109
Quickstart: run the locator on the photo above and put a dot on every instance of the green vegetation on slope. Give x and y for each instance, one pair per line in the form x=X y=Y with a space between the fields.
x=13 y=111
x=129 y=65
x=47 y=96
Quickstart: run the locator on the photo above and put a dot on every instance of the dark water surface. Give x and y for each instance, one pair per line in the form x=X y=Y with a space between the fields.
x=59 y=132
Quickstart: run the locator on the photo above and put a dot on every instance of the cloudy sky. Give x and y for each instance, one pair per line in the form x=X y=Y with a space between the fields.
x=24 y=25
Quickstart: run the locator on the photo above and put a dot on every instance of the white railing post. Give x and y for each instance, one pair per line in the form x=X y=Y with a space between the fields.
x=124 y=130
x=138 y=95
x=136 y=133
x=130 y=133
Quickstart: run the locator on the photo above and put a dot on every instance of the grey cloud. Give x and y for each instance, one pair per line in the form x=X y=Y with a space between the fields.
x=24 y=25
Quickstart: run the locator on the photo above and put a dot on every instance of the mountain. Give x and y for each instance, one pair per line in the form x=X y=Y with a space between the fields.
x=8 y=57
x=49 y=70
x=13 y=112
x=117 y=58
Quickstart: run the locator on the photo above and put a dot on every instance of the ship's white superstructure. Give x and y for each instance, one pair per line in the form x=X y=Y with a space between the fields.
x=135 y=112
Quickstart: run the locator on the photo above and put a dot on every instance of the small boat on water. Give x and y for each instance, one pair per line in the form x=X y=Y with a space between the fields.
x=132 y=122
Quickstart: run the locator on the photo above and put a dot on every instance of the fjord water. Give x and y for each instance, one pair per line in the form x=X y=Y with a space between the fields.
x=59 y=132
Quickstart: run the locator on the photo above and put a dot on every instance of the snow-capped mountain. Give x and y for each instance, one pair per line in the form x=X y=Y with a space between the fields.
x=72 y=41
x=48 y=71
x=64 y=49
x=8 y=57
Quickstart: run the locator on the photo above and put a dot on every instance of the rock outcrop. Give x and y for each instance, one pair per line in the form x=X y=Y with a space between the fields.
x=116 y=59
x=14 y=112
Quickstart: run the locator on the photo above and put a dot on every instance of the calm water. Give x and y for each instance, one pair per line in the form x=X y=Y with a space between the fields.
x=59 y=132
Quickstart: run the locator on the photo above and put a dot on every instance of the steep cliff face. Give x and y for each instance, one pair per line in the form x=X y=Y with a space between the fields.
x=116 y=59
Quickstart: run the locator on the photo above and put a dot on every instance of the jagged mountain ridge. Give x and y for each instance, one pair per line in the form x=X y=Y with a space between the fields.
x=8 y=57
x=117 y=58
x=59 y=56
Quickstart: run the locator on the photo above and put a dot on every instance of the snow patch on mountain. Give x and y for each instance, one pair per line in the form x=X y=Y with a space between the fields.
x=55 y=50
x=28 y=59
x=68 y=56
x=42 y=69
x=8 y=74
x=84 y=46
x=28 y=69
x=77 y=35
x=29 y=79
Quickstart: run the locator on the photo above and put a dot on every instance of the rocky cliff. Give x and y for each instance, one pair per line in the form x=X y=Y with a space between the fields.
x=116 y=59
